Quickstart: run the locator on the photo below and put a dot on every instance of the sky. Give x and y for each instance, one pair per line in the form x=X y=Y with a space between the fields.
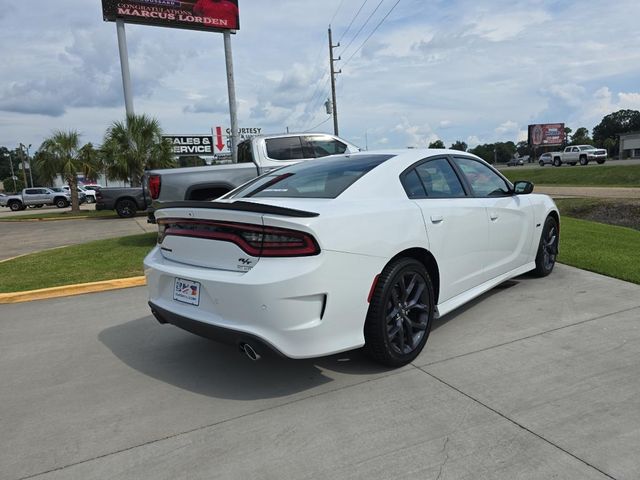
x=471 y=70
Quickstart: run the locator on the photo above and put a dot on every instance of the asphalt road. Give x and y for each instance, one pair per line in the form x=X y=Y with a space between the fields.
x=537 y=379
x=19 y=238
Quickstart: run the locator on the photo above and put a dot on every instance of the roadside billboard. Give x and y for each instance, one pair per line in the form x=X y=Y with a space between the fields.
x=223 y=136
x=546 y=134
x=191 y=145
x=208 y=15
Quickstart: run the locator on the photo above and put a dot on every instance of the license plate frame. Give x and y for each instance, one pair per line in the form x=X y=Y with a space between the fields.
x=186 y=291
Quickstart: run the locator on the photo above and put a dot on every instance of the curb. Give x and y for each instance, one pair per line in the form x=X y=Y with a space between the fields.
x=69 y=290
x=45 y=219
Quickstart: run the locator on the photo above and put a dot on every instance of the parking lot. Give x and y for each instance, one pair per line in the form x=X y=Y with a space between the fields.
x=535 y=379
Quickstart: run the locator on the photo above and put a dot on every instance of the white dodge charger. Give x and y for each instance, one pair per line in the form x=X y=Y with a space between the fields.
x=347 y=251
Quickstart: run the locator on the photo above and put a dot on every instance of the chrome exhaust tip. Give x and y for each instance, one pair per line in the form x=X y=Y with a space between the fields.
x=250 y=352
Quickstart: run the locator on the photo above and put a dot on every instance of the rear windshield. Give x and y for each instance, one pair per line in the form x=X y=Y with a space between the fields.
x=312 y=179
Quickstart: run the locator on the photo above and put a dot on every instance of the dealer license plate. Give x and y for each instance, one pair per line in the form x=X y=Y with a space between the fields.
x=186 y=291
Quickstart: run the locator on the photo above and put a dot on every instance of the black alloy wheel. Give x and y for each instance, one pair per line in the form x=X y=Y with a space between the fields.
x=126 y=208
x=400 y=313
x=548 y=247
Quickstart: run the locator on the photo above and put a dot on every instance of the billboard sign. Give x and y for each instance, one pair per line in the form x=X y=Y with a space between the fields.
x=546 y=134
x=191 y=145
x=208 y=15
x=223 y=136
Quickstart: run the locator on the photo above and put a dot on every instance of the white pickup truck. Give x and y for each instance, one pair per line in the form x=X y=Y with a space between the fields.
x=256 y=156
x=36 y=197
x=582 y=154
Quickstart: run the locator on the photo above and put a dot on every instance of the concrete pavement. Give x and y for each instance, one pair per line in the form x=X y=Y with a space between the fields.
x=537 y=379
x=18 y=238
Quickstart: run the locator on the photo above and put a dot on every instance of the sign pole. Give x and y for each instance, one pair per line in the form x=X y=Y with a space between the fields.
x=232 y=96
x=124 y=66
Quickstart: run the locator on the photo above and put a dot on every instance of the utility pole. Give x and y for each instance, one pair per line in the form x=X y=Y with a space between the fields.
x=24 y=170
x=231 y=88
x=13 y=176
x=333 y=82
x=124 y=67
x=23 y=146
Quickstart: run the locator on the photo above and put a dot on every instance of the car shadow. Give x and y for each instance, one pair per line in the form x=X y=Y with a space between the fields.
x=202 y=366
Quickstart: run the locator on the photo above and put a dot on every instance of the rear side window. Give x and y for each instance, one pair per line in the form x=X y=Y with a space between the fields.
x=313 y=179
x=245 y=155
x=284 y=148
x=321 y=146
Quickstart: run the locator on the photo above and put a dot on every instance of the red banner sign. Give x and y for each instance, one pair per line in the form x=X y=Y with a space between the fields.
x=544 y=134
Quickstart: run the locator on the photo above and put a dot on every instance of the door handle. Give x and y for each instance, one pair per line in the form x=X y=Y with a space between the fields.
x=436 y=218
x=493 y=216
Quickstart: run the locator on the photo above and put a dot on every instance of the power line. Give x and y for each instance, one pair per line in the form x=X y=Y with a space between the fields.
x=362 y=26
x=372 y=32
x=352 y=20
x=321 y=123
x=336 y=12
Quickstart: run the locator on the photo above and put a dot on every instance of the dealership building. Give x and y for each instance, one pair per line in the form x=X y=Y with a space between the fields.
x=630 y=145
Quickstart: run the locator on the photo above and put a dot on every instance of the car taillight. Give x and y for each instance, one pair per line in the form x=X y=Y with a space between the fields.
x=255 y=240
x=154 y=186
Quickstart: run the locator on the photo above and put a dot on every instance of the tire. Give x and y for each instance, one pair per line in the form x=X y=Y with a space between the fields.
x=557 y=162
x=541 y=163
x=396 y=332
x=91 y=200
x=547 y=248
x=126 y=208
x=62 y=203
x=15 y=206
x=583 y=160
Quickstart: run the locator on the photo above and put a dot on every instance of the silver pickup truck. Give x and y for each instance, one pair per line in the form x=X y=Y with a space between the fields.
x=36 y=197
x=578 y=153
x=256 y=156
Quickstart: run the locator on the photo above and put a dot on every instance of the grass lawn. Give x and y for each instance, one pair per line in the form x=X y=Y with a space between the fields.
x=596 y=176
x=606 y=249
x=52 y=214
x=88 y=262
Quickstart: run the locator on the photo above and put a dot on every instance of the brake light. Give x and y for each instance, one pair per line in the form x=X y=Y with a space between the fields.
x=255 y=240
x=154 y=186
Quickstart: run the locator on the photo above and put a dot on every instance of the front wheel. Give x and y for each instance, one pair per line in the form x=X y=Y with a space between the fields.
x=400 y=313
x=557 y=162
x=62 y=203
x=583 y=160
x=541 y=163
x=547 y=248
x=126 y=208
x=15 y=206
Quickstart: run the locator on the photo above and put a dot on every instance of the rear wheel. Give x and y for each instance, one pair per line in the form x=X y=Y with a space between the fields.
x=583 y=160
x=126 y=208
x=557 y=162
x=400 y=313
x=548 y=248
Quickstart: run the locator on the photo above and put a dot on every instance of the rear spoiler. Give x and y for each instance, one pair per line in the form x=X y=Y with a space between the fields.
x=237 y=206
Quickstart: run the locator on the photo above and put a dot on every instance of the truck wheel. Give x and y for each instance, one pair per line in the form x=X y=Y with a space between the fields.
x=126 y=208
x=557 y=162
x=91 y=200
x=583 y=160
x=15 y=206
x=62 y=203
x=541 y=163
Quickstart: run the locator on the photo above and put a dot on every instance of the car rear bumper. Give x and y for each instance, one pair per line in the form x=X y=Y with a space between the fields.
x=301 y=307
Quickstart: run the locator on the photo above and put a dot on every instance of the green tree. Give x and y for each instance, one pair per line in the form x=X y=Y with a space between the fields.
x=612 y=125
x=61 y=154
x=133 y=146
x=581 y=137
x=490 y=152
x=522 y=148
x=12 y=185
x=437 y=144
x=459 y=145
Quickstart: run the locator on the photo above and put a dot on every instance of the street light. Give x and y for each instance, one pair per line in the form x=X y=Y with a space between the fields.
x=13 y=177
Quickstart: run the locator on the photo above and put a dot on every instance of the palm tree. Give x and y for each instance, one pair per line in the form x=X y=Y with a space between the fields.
x=61 y=154
x=133 y=146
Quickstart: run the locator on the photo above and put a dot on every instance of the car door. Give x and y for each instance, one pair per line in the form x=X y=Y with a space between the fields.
x=455 y=224
x=510 y=217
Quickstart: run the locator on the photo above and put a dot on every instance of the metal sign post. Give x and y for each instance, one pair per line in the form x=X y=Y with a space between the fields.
x=231 y=86
x=124 y=66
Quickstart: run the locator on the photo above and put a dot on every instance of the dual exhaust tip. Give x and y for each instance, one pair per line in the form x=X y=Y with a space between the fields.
x=250 y=352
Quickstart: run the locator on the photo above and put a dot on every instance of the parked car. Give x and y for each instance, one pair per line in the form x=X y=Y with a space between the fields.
x=88 y=193
x=36 y=197
x=256 y=156
x=545 y=159
x=515 y=162
x=126 y=201
x=82 y=198
x=579 y=153
x=356 y=250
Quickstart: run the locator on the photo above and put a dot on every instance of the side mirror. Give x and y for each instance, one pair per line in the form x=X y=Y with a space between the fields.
x=522 y=187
